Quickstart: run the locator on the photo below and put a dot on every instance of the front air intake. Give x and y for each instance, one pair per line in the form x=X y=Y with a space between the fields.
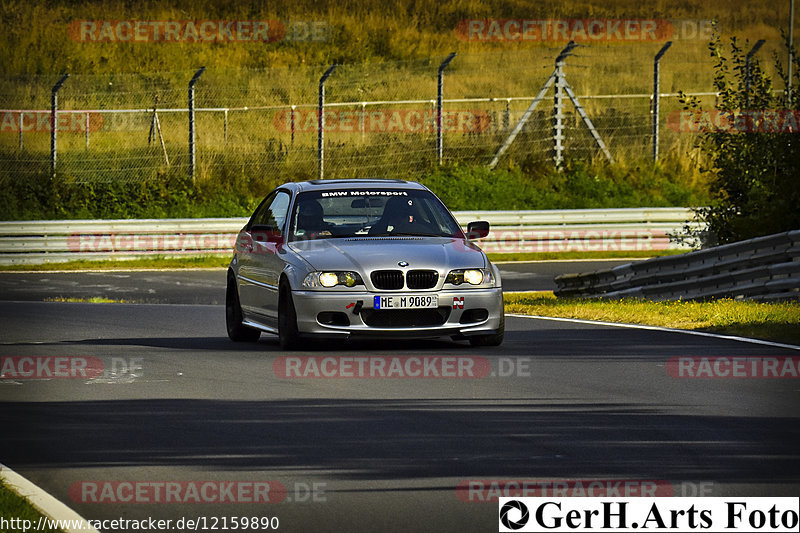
x=387 y=280
x=422 y=279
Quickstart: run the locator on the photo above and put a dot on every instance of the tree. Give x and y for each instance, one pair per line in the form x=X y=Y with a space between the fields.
x=753 y=146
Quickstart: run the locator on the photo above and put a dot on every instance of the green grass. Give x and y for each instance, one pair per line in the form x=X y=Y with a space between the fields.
x=222 y=261
x=92 y=300
x=358 y=31
x=771 y=321
x=159 y=263
x=571 y=256
x=461 y=187
x=12 y=505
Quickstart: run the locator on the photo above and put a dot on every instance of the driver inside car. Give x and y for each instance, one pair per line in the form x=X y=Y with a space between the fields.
x=310 y=222
x=398 y=217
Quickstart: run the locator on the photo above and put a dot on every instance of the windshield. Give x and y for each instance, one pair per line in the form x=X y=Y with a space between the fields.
x=374 y=212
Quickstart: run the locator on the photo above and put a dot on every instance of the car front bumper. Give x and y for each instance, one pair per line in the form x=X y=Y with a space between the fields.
x=461 y=313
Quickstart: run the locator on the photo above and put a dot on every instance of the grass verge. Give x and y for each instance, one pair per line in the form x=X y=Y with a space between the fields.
x=217 y=261
x=572 y=256
x=771 y=321
x=12 y=505
x=92 y=300
x=159 y=263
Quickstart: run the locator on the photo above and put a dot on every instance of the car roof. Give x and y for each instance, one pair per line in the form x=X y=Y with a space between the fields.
x=323 y=185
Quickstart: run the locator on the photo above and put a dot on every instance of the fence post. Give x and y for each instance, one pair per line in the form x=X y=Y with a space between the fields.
x=21 y=142
x=291 y=111
x=791 y=53
x=558 y=115
x=54 y=124
x=321 y=121
x=362 y=121
x=747 y=72
x=191 y=121
x=525 y=116
x=439 y=83
x=656 y=89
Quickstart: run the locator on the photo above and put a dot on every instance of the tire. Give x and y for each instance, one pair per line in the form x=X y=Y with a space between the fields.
x=288 y=334
x=237 y=331
x=495 y=339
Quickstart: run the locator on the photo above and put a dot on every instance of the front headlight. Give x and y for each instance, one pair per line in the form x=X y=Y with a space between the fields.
x=327 y=280
x=472 y=276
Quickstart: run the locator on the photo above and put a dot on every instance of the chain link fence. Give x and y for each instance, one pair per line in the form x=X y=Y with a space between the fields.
x=381 y=120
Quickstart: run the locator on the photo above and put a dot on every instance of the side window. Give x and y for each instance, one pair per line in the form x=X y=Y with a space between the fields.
x=272 y=212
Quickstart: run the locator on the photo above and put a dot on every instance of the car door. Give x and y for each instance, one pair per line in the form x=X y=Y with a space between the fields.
x=261 y=261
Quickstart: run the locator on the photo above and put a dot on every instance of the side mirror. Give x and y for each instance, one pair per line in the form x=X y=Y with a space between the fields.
x=477 y=230
x=262 y=233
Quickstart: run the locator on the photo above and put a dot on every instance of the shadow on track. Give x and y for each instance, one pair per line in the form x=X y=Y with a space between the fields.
x=383 y=439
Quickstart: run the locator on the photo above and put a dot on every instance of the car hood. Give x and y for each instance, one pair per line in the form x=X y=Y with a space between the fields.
x=365 y=254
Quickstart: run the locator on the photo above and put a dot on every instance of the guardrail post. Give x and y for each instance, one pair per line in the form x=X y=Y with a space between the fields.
x=439 y=82
x=321 y=121
x=656 y=83
x=54 y=124
x=191 y=122
x=750 y=54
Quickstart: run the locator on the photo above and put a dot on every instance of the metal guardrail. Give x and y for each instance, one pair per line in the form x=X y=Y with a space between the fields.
x=33 y=242
x=764 y=268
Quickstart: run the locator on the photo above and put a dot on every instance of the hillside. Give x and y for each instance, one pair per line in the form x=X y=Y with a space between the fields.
x=39 y=37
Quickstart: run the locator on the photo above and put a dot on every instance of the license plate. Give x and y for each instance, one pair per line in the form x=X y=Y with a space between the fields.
x=406 y=302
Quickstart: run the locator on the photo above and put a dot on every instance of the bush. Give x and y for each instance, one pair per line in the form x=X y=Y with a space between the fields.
x=754 y=182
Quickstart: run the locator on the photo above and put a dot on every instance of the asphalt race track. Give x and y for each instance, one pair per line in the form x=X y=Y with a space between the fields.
x=170 y=406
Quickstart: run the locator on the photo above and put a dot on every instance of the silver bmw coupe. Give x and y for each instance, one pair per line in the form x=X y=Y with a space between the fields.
x=348 y=258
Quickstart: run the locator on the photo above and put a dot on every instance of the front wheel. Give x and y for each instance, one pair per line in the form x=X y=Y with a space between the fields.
x=288 y=334
x=237 y=331
x=494 y=339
